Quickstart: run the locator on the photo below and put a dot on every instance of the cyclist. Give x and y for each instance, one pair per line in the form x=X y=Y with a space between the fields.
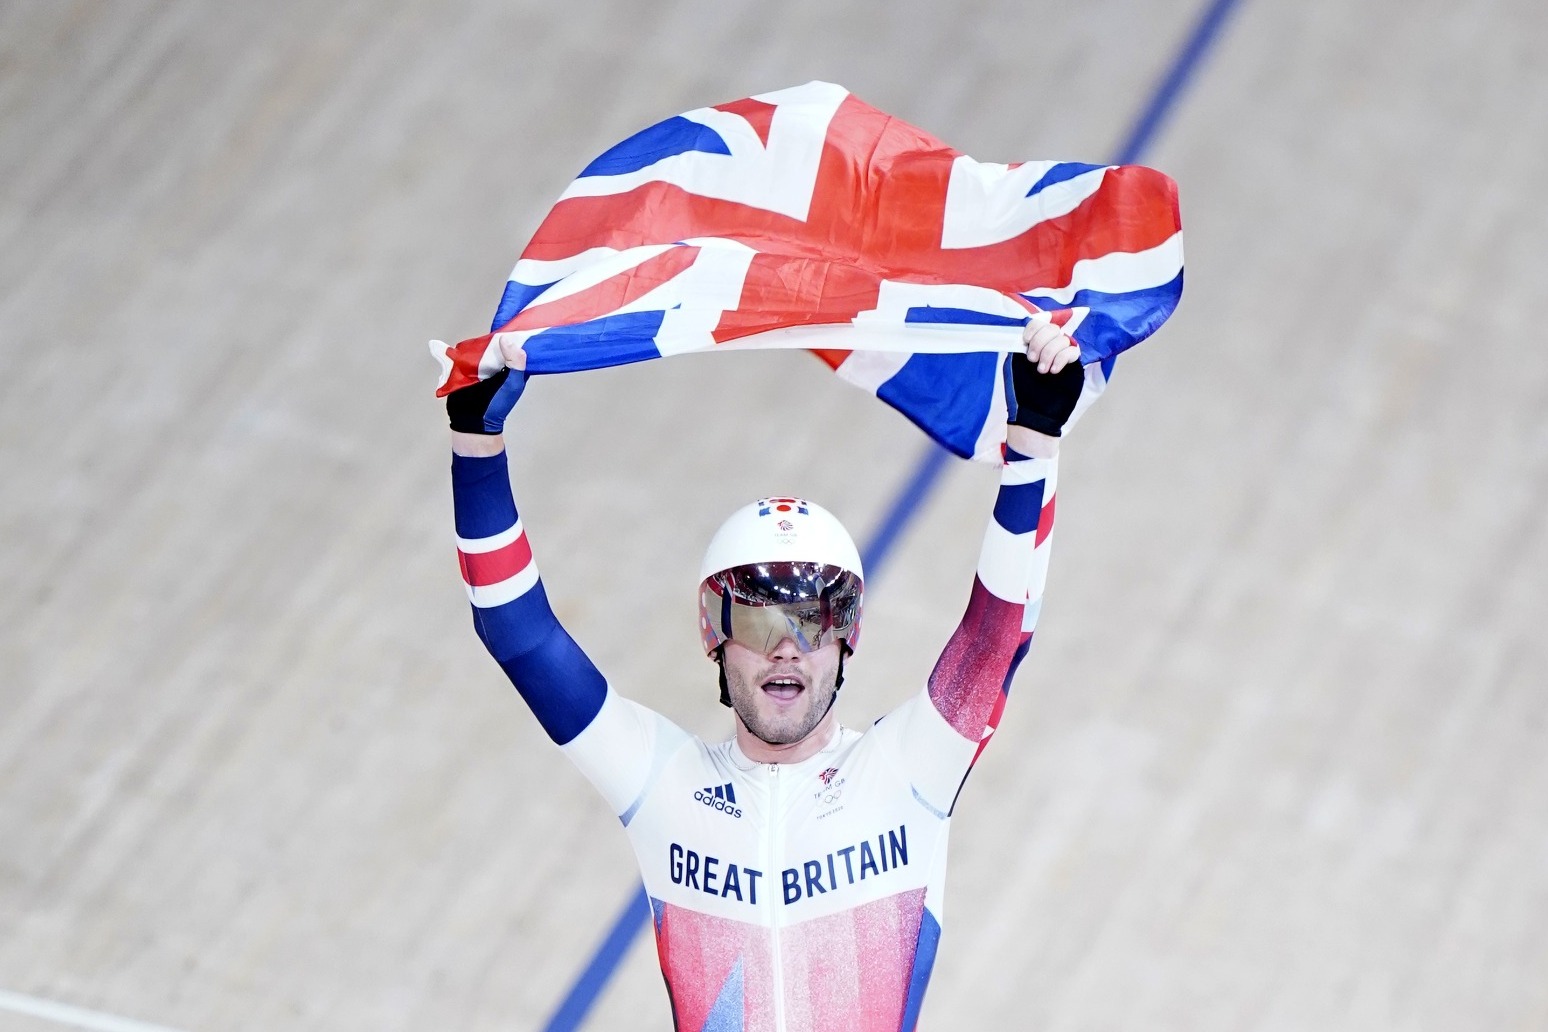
x=795 y=871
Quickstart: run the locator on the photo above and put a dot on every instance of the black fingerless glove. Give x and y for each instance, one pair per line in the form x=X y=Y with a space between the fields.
x=467 y=406
x=1042 y=401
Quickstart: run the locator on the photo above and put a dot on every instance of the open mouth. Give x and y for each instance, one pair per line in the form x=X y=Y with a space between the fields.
x=783 y=688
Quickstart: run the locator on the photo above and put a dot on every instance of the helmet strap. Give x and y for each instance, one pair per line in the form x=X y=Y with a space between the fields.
x=725 y=689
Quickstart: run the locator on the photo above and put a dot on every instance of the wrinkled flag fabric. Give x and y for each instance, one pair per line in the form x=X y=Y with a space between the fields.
x=805 y=218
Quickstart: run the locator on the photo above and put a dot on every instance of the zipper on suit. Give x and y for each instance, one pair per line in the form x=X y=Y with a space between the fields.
x=776 y=850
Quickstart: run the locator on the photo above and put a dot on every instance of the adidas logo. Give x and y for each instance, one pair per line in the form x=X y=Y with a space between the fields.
x=720 y=797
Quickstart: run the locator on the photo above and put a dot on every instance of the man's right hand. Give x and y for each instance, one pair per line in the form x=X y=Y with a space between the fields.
x=482 y=408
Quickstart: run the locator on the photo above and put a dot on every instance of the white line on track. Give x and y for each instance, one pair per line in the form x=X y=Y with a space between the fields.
x=77 y=1017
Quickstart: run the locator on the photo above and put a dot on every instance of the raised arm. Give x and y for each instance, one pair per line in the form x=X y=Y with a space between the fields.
x=971 y=679
x=616 y=743
x=968 y=687
x=510 y=608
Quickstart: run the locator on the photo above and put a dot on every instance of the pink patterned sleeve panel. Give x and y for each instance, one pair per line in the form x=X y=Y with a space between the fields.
x=943 y=731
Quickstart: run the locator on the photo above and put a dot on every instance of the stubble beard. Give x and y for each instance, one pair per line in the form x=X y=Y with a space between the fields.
x=786 y=728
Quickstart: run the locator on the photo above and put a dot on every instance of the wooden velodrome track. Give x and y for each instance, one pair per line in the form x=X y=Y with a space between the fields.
x=1277 y=761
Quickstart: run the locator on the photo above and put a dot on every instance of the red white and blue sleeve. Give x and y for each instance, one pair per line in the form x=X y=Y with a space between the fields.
x=942 y=731
x=612 y=740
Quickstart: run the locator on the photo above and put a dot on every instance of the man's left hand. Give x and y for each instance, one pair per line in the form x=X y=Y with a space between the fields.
x=1045 y=382
x=1048 y=346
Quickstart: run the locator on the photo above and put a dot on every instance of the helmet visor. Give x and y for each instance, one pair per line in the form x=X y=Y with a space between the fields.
x=761 y=605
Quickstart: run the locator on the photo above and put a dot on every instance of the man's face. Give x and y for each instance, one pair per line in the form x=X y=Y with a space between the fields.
x=780 y=697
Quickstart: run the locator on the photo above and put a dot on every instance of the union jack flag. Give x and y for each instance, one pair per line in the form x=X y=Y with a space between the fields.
x=805 y=218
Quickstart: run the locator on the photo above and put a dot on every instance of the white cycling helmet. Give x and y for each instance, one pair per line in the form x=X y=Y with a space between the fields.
x=780 y=568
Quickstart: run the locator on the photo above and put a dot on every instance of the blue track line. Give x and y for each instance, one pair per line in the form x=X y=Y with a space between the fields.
x=636 y=914
x=631 y=920
x=873 y=556
x=1164 y=99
